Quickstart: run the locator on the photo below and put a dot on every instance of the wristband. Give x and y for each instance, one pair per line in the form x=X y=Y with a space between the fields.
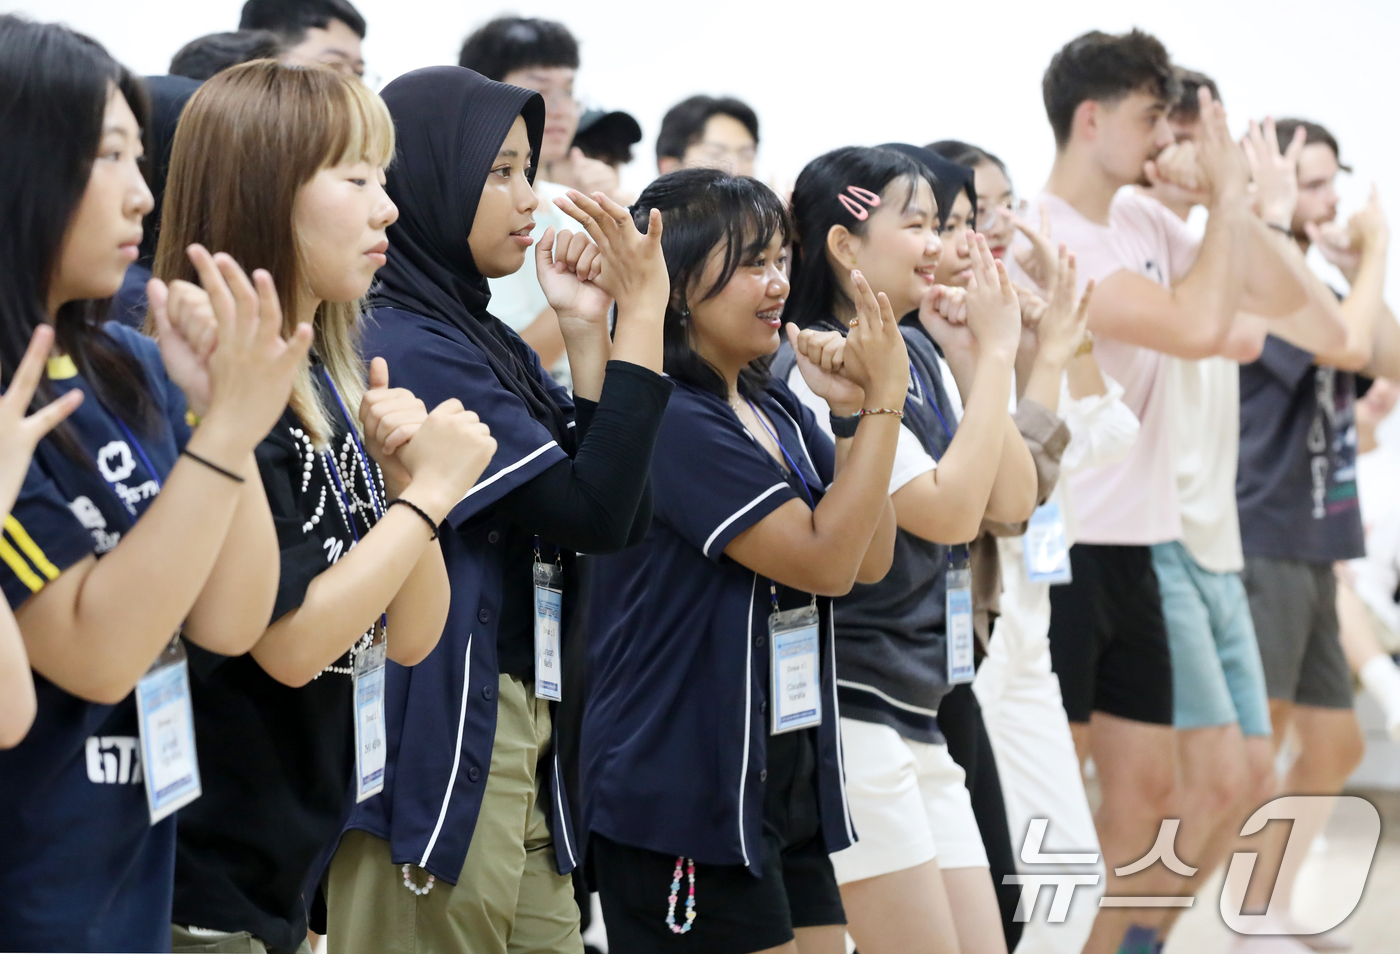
x=867 y=411
x=845 y=426
x=432 y=524
x=1280 y=228
x=212 y=466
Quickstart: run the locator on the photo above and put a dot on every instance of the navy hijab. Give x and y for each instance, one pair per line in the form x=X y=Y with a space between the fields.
x=950 y=178
x=449 y=123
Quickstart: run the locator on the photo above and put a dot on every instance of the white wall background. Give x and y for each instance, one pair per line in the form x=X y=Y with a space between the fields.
x=822 y=74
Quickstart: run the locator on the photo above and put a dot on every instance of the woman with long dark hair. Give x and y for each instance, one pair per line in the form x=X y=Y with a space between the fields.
x=711 y=759
x=130 y=527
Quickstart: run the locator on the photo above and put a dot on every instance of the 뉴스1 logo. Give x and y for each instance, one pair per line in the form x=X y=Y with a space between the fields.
x=1312 y=810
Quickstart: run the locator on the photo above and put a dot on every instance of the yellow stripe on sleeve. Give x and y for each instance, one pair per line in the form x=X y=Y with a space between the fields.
x=21 y=569
x=30 y=548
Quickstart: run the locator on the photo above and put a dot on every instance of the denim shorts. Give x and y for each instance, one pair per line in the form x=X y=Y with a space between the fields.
x=1217 y=673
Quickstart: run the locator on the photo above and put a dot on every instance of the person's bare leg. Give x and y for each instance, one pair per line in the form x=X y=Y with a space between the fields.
x=827 y=939
x=1257 y=784
x=1261 y=788
x=1270 y=842
x=1330 y=746
x=976 y=915
x=904 y=912
x=1136 y=763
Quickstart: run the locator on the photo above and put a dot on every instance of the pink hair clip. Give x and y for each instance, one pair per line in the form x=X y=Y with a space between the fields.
x=854 y=207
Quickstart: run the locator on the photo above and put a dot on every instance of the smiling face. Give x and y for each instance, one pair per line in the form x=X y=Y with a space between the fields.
x=105 y=232
x=899 y=250
x=500 y=233
x=741 y=321
x=1317 y=193
x=561 y=110
x=340 y=220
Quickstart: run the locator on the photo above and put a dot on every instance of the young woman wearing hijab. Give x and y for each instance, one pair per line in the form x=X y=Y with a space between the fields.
x=711 y=759
x=20 y=432
x=917 y=881
x=130 y=527
x=1017 y=692
x=470 y=845
x=281 y=167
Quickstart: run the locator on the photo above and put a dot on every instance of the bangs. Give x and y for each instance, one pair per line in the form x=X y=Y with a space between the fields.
x=363 y=128
x=754 y=215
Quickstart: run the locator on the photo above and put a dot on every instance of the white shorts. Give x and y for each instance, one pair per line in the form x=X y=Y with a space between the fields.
x=909 y=804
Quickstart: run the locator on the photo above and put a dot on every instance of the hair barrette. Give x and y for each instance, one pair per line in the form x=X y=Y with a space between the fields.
x=854 y=207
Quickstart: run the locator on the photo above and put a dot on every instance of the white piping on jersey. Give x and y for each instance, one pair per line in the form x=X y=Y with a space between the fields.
x=456 y=758
x=932 y=713
x=506 y=470
x=559 y=802
x=836 y=714
x=748 y=706
x=739 y=513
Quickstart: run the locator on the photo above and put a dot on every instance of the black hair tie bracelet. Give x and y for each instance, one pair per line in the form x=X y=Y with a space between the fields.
x=186 y=452
x=432 y=524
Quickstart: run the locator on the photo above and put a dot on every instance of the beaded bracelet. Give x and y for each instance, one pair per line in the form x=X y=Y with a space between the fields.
x=408 y=883
x=867 y=411
x=690 y=913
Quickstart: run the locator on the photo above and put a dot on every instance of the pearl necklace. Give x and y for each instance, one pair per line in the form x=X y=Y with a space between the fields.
x=408 y=883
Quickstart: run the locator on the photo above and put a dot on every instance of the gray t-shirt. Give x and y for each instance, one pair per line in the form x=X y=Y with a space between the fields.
x=891 y=644
x=1297 y=476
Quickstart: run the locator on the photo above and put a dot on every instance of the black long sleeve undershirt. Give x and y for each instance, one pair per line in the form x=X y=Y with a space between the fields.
x=597 y=502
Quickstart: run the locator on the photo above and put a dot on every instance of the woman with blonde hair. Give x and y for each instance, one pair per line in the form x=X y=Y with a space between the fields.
x=282 y=168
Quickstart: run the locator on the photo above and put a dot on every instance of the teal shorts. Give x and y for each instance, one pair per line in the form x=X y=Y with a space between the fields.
x=1217 y=674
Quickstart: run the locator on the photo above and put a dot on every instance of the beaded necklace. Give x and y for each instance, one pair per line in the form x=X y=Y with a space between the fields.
x=690 y=913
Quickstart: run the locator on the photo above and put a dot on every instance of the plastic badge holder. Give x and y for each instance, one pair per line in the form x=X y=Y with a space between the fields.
x=169 y=763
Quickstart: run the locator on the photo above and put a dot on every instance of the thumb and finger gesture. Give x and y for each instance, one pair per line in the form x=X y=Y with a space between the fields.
x=630 y=262
x=20 y=431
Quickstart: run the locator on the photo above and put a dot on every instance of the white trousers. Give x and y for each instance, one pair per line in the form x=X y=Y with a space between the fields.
x=1040 y=779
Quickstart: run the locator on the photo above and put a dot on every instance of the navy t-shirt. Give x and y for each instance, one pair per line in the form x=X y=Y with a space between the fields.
x=1297 y=477
x=81 y=866
x=440 y=716
x=675 y=732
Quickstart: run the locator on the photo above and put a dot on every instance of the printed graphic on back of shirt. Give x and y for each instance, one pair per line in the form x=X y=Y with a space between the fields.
x=1332 y=445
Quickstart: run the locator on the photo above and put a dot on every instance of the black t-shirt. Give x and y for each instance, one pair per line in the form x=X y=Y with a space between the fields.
x=277 y=763
x=1297 y=475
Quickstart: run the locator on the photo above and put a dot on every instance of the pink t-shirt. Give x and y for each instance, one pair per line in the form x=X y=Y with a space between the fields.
x=1133 y=502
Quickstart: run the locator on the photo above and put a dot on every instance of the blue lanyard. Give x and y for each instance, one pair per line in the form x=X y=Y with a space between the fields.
x=931 y=401
x=140 y=451
x=359 y=452
x=791 y=463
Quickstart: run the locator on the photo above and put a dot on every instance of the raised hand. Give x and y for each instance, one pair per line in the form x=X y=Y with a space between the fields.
x=1222 y=163
x=993 y=311
x=1345 y=245
x=1062 y=328
x=1176 y=177
x=251 y=369
x=567 y=264
x=1275 y=173
x=389 y=418
x=1039 y=259
x=1032 y=307
x=20 y=432
x=187 y=333
x=631 y=268
x=820 y=357
x=450 y=450
x=875 y=357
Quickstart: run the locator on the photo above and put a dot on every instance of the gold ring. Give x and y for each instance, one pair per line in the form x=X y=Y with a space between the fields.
x=854 y=322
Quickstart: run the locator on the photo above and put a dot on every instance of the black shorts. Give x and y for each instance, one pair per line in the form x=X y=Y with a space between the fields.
x=1108 y=638
x=735 y=912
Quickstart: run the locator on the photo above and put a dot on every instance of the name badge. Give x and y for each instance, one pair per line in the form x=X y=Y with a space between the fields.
x=1047 y=556
x=371 y=747
x=549 y=611
x=962 y=666
x=795 y=654
x=166 y=721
